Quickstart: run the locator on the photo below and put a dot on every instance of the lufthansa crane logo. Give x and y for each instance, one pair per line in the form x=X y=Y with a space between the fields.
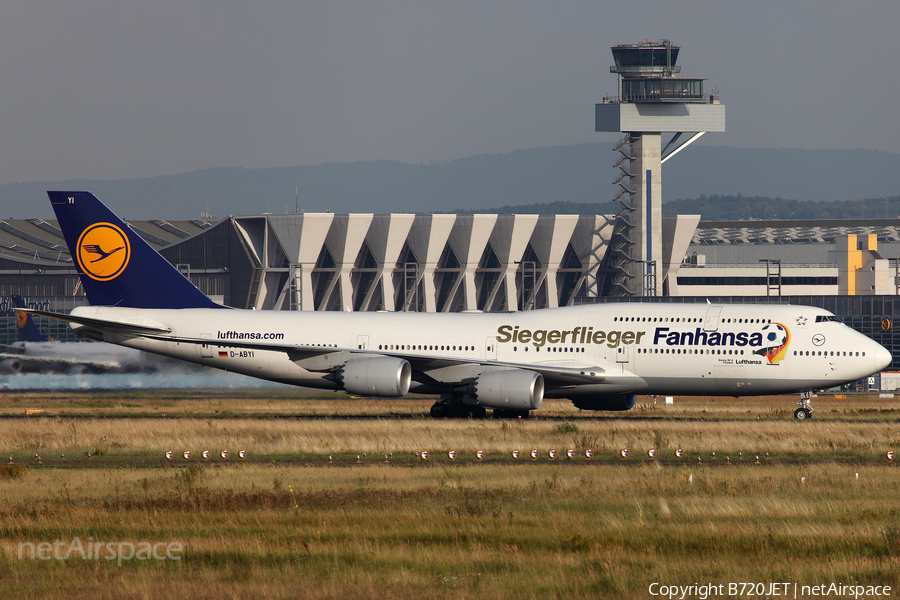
x=103 y=251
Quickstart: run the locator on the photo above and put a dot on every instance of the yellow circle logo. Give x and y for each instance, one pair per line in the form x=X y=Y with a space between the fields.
x=21 y=318
x=103 y=251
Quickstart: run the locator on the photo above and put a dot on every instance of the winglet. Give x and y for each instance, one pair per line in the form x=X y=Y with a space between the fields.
x=117 y=267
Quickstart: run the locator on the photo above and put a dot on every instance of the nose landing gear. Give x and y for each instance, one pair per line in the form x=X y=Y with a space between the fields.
x=805 y=411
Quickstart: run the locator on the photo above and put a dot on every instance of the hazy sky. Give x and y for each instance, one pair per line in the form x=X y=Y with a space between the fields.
x=122 y=89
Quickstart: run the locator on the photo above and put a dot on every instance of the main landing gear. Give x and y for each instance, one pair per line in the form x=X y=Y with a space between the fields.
x=805 y=411
x=455 y=409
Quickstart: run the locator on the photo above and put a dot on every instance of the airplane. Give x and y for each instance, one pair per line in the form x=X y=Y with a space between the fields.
x=34 y=353
x=598 y=356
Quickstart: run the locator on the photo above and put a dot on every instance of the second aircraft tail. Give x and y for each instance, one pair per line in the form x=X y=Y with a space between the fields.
x=26 y=330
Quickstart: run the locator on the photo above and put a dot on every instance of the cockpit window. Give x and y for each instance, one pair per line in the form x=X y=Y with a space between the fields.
x=827 y=318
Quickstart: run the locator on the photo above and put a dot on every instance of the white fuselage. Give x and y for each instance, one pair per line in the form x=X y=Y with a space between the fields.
x=653 y=348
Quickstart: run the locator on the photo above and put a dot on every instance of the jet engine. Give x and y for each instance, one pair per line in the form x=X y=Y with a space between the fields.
x=508 y=389
x=11 y=366
x=376 y=376
x=606 y=402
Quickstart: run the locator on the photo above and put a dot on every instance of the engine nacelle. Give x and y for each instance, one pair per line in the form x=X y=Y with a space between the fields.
x=11 y=366
x=376 y=376
x=607 y=402
x=509 y=389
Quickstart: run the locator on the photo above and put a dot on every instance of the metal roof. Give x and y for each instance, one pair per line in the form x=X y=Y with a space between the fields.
x=41 y=241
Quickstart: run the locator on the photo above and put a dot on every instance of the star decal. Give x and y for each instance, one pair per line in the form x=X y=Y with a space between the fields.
x=801 y=320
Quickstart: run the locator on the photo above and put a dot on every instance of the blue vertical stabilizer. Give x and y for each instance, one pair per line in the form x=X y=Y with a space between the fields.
x=117 y=267
x=26 y=330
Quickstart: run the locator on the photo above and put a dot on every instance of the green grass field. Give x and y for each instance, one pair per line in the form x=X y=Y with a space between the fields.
x=286 y=522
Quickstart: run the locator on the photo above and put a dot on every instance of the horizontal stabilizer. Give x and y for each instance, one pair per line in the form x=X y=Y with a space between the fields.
x=144 y=328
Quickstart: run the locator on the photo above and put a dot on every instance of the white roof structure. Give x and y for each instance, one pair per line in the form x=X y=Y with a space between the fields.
x=429 y=262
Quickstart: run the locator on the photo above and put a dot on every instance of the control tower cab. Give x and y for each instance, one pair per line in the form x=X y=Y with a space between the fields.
x=651 y=100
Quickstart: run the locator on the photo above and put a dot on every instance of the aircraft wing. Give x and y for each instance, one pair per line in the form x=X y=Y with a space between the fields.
x=554 y=374
x=321 y=358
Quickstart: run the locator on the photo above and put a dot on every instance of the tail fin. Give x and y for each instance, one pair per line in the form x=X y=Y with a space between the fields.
x=117 y=267
x=26 y=330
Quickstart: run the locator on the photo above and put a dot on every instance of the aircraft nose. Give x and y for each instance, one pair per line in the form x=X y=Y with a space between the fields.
x=883 y=358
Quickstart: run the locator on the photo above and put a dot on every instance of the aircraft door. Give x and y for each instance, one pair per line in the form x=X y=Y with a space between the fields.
x=205 y=349
x=711 y=323
x=490 y=348
x=362 y=342
x=623 y=354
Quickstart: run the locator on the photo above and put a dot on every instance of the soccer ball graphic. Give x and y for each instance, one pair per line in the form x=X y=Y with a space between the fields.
x=774 y=335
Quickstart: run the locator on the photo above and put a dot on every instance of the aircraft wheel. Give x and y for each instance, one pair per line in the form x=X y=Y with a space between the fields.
x=439 y=410
x=802 y=414
x=458 y=411
x=477 y=412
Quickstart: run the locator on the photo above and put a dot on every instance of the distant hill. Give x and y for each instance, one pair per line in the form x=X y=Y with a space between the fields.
x=739 y=208
x=549 y=208
x=564 y=176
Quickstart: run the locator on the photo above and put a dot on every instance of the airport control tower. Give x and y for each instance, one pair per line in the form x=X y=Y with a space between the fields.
x=651 y=101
